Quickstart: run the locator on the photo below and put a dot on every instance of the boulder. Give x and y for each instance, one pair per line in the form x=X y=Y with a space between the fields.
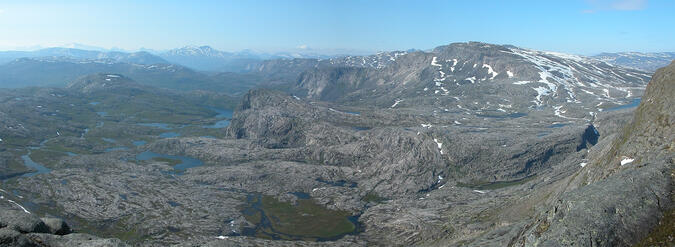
x=57 y=226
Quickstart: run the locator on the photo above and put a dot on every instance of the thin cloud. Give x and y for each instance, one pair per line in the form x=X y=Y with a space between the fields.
x=303 y=47
x=614 y=5
x=2 y=11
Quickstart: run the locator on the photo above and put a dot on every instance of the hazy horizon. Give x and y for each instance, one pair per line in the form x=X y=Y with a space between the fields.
x=584 y=27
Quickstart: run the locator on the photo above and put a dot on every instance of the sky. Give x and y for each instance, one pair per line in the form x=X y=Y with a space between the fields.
x=583 y=27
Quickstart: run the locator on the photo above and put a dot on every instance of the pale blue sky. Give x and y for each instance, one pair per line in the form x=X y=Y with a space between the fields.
x=573 y=26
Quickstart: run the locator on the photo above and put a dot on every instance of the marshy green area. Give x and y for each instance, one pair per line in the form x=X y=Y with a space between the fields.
x=58 y=123
x=304 y=220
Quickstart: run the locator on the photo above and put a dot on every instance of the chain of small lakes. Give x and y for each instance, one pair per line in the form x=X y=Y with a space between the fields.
x=74 y=126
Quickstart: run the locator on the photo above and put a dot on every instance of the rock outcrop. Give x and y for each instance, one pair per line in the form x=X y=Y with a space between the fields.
x=23 y=229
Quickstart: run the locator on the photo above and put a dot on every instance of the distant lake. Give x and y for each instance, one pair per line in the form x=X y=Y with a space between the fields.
x=156 y=125
x=222 y=113
x=634 y=103
x=28 y=162
x=139 y=143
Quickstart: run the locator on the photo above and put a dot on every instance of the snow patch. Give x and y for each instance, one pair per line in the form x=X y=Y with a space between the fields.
x=434 y=62
x=626 y=161
x=490 y=71
x=22 y=208
x=396 y=103
x=558 y=111
x=541 y=91
x=440 y=146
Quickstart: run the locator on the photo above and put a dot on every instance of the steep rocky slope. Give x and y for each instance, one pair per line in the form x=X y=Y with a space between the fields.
x=626 y=189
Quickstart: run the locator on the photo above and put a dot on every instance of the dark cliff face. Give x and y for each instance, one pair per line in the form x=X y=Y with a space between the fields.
x=620 y=197
x=329 y=84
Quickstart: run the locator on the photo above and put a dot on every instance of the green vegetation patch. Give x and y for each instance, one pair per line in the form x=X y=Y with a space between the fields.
x=663 y=234
x=46 y=157
x=306 y=220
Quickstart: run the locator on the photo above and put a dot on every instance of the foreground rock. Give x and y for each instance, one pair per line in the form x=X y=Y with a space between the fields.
x=20 y=228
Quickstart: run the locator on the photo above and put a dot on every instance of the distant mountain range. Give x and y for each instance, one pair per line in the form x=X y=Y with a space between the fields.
x=491 y=79
x=72 y=53
x=206 y=58
x=644 y=61
x=59 y=71
x=200 y=58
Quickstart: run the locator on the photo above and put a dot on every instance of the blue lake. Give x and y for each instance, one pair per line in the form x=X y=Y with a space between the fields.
x=300 y=195
x=186 y=162
x=219 y=125
x=634 y=103
x=139 y=143
x=28 y=162
x=558 y=125
x=156 y=125
x=115 y=149
x=222 y=113
x=108 y=140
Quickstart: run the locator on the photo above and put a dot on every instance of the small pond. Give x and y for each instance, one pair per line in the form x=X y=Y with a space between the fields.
x=305 y=220
x=182 y=162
